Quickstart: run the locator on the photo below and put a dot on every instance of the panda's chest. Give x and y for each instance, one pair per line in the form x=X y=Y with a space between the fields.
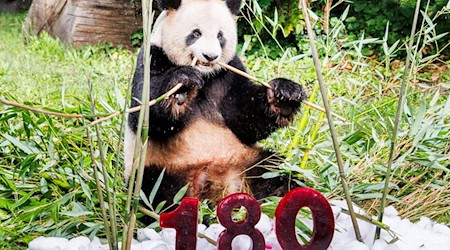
x=202 y=145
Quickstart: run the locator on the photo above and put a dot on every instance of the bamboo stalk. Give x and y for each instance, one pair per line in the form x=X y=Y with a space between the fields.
x=112 y=217
x=244 y=74
x=99 y=191
x=398 y=116
x=142 y=129
x=119 y=150
x=42 y=111
x=248 y=76
x=324 y=91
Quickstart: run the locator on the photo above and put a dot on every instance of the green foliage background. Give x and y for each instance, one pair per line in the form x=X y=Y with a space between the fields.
x=282 y=21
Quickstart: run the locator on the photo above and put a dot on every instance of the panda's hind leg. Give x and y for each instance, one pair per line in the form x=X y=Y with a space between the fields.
x=170 y=185
x=262 y=188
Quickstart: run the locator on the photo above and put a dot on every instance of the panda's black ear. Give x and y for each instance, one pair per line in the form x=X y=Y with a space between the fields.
x=234 y=6
x=169 y=4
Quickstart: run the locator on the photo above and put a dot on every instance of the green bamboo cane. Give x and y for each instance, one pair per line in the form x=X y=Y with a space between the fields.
x=99 y=191
x=324 y=91
x=119 y=150
x=143 y=123
x=398 y=116
x=112 y=216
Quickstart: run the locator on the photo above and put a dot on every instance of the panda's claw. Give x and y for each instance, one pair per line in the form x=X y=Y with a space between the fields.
x=284 y=99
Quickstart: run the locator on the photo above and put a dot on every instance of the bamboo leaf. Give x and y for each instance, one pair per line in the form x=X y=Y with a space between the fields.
x=269 y=175
x=361 y=197
x=433 y=39
x=160 y=207
x=427 y=18
x=85 y=188
x=156 y=187
x=180 y=194
x=345 y=13
x=44 y=187
x=418 y=119
x=24 y=199
x=144 y=199
x=25 y=148
x=77 y=210
x=393 y=47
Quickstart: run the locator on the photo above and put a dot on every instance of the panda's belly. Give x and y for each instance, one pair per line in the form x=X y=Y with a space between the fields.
x=202 y=145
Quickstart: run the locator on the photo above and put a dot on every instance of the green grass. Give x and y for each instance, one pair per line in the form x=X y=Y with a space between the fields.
x=47 y=185
x=46 y=179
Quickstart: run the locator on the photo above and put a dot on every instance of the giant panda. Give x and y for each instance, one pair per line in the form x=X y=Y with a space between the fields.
x=206 y=134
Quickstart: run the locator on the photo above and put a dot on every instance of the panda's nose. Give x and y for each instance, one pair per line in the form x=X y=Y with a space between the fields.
x=210 y=57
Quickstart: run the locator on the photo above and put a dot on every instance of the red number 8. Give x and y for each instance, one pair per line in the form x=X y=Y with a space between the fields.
x=244 y=227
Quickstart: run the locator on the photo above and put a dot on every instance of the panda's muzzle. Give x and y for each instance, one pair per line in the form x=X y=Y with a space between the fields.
x=205 y=64
x=205 y=60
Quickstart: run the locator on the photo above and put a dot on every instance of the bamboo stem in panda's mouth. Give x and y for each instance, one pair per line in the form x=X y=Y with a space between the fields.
x=244 y=74
x=248 y=76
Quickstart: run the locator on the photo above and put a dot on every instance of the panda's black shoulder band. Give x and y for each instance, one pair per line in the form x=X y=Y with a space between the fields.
x=234 y=6
x=169 y=4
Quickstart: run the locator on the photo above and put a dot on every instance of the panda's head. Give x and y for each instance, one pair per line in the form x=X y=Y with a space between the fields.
x=205 y=29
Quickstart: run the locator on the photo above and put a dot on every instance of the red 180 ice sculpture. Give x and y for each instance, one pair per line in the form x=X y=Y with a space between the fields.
x=184 y=221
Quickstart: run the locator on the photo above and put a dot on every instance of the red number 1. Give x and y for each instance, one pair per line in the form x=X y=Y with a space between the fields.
x=184 y=220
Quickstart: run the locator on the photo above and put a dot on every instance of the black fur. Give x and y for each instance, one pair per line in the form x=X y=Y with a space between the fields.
x=164 y=76
x=169 y=4
x=234 y=6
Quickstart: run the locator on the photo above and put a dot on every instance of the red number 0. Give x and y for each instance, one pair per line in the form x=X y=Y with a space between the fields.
x=244 y=227
x=322 y=215
x=184 y=220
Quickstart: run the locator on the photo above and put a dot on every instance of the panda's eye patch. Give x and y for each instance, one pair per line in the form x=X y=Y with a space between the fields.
x=196 y=33
x=221 y=39
x=193 y=37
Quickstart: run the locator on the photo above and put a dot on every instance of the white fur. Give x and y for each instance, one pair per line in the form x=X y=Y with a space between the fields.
x=156 y=37
x=210 y=17
x=129 y=144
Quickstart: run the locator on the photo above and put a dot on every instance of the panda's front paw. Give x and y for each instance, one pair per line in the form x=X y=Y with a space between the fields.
x=191 y=80
x=284 y=99
x=190 y=77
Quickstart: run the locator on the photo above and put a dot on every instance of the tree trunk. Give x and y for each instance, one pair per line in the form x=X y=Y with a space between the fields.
x=326 y=15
